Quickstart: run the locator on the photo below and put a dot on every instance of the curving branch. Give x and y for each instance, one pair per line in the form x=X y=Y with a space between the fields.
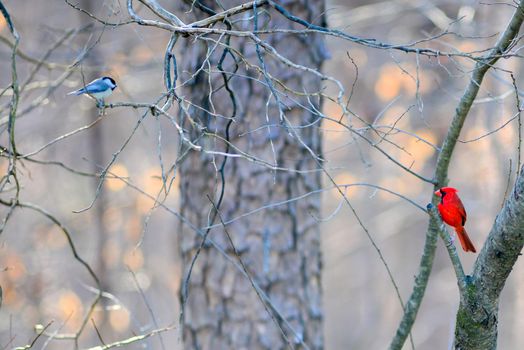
x=202 y=27
x=133 y=339
x=161 y=12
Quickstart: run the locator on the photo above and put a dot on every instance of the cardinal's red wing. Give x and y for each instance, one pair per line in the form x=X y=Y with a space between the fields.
x=460 y=208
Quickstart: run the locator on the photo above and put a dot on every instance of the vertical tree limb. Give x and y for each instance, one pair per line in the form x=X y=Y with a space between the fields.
x=477 y=317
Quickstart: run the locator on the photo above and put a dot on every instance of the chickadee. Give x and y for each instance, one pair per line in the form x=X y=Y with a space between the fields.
x=99 y=89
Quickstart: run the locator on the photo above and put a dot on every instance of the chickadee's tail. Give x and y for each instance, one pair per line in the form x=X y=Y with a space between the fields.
x=76 y=92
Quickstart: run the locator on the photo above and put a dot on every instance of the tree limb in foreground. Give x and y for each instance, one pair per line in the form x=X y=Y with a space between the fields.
x=477 y=317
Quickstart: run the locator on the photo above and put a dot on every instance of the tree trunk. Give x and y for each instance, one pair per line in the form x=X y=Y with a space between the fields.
x=279 y=245
x=96 y=149
x=477 y=318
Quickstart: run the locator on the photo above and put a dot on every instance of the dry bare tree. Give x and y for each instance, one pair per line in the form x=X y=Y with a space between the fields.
x=241 y=100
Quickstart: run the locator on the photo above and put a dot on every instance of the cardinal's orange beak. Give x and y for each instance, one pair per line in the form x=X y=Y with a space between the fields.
x=437 y=193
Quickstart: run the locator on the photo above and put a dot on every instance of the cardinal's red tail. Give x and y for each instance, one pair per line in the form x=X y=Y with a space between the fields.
x=465 y=242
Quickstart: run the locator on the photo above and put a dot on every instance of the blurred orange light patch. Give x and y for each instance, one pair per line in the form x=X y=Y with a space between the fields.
x=392 y=115
x=119 y=319
x=359 y=56
x=508 y=134
x=389 y=82
x=425 y=80
x=4 y=165
x=111 y=253
x=475 y=132
x=419 y=152
x=152 y=184
x=467 y=46
x=133 y=228
x=334 y=131
x=116 y=71
x=70 y=308
x=142 y=55
x=152 y=181
x=134 y=258
x=332 y=110
x=404 y=184
x=345 y=178
x=341 y=179
x=393 y=80
x=113 y=219
x=10 y=297
x=15 y=267
x=54 y=237
x=115 y=184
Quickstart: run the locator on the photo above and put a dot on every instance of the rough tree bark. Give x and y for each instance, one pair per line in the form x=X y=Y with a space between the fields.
x=279 y=245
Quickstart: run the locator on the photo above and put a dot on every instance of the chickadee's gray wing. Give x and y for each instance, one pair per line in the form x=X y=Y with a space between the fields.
x=91 y=88
x=77 y=92
x=97 y=86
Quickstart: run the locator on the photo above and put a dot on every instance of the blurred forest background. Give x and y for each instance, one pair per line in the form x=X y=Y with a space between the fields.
x=132 y=244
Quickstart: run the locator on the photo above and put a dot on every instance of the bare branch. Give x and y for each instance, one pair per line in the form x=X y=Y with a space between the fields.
x=134 y=339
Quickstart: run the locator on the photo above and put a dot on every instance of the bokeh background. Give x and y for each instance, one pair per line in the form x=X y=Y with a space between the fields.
x=132 y=244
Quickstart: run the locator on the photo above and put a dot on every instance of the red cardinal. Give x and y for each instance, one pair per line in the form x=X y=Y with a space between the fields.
x=453 y=213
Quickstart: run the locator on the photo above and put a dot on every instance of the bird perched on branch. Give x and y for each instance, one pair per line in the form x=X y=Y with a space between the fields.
x=98 y=89
x=453 y=213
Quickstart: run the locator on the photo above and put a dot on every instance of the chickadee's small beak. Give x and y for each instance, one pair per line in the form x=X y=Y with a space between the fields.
x=438 y=194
